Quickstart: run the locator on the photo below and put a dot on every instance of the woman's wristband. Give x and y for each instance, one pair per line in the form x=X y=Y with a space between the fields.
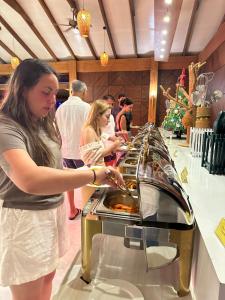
x=94 y=176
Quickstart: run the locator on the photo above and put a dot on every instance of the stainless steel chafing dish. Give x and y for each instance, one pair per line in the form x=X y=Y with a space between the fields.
x=157 y=215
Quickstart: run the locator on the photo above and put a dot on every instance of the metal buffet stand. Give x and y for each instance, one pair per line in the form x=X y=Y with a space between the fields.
x=156 y=216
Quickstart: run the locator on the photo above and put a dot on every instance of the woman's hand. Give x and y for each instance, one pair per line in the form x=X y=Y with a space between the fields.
x=109 y=176
x=117 y=144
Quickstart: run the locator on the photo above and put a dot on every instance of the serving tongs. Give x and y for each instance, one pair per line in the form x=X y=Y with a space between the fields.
x=123 y=188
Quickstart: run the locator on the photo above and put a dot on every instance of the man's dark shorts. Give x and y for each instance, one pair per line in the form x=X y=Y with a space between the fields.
x=72 y=163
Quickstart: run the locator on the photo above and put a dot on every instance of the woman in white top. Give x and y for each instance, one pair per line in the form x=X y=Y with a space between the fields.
x=91 y=141
x=92 y=148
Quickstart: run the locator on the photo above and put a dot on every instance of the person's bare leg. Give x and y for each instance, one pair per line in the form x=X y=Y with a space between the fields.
x=47 y=286
x=73 y=210
x=26 y=291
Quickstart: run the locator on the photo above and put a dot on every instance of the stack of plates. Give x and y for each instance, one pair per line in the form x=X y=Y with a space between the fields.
x=114 y=289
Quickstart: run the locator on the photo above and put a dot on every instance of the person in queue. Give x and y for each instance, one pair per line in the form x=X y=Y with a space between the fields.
x=70 y=117
x=116 y=109
x=32 y=182
x=108 y=132
x=122 y=121
x=91 y=133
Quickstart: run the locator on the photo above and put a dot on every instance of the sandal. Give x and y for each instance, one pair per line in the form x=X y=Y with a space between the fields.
x=79 y=211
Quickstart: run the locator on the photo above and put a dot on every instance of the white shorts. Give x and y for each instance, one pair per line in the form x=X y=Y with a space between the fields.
x=31 y=243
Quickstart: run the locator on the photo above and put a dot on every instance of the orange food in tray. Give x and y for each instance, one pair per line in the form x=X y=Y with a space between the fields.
x=123 y=207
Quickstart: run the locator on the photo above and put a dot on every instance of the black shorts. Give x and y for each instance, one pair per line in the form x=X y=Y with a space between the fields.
x=72 y=163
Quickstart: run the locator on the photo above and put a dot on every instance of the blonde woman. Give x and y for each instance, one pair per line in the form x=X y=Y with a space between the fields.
x=92 y=148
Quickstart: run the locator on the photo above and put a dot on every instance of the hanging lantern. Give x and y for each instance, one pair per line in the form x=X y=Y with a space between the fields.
x=84 y=22
x=14 y=62
x=104 y=58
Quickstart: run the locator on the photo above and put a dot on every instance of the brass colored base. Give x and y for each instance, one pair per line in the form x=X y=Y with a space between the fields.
x=183 y=145
x=90 y=226
x=184 y=241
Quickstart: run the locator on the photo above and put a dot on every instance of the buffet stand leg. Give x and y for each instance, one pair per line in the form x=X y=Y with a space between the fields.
x=90 y=225
x=184 y=241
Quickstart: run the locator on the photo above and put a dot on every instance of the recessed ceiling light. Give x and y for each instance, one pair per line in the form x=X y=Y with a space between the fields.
x=166 y=18
x=161 y=56
x=162 y=49
x=164 y=32
x=168 y=1
x=163 y=42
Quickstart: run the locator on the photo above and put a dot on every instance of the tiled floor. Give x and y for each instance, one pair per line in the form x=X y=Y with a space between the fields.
x=111 y=260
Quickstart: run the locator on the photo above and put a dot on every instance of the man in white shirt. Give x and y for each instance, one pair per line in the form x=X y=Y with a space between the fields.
x=71 y=116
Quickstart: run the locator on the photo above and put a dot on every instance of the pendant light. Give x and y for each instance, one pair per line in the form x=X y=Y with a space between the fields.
x=83 y=22
x=104 y=57
x=14 y=62
x=14 y=59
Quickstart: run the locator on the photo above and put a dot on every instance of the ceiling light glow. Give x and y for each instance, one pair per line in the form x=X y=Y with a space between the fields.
x=164 y=32
x=162 y=49
x=161 y=56
x=166 y=19
x=163 y=42
x=168 y=1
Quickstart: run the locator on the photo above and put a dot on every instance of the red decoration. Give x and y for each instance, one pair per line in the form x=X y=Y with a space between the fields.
x=182 y=77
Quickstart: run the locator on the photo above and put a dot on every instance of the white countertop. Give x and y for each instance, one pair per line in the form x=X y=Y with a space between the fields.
x=207 y=197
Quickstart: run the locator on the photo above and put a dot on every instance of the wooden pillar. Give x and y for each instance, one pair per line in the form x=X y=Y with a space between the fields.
x=72 y=72
x=153 y=87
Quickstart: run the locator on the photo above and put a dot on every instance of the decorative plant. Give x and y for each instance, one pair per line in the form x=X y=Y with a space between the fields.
x=183 y=98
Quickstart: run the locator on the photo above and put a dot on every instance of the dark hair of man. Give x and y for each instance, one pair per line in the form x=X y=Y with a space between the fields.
x=107 y=97
x=15 y=109
x=121 y=95
x=126 y=101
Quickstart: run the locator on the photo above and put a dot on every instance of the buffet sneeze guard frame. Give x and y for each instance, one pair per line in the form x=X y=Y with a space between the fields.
x=164 y=219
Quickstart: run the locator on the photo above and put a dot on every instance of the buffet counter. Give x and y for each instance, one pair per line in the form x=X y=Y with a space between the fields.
x=207 y=197
x=151 y=214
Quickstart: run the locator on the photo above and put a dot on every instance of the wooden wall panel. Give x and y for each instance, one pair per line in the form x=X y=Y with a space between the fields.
x=167 y=79
x=134 y=85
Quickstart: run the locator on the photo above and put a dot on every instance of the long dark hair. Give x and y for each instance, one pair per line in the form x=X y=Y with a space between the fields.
x=16 y=109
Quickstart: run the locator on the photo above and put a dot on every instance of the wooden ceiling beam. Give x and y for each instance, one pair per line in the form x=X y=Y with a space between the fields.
x=115 y=65
x=132 y=14
x=15 y=35
x=16 y=6
x=217 y=40
x=7 y=49
x=102 y=9
x=2 y=61
x=57 y=28
x=191 y=26
x=160 y=11
x=75 y=6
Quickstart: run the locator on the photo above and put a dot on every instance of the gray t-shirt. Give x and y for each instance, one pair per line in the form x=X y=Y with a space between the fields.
x=14 y=137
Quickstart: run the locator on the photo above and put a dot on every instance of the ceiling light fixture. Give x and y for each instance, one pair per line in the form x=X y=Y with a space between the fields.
x=161 y=56
x=168 y=1
x=14 y=59
x=14 y=62
x=164 y=32
x=104 y=57
x=163 y=42
x=83 y=22
x=166 y=18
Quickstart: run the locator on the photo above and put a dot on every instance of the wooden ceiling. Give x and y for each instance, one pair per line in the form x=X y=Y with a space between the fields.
x=134 y=28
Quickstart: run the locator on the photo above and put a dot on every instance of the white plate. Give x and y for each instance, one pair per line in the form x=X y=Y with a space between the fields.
x=115 y=289
x=98 y=186
x=123 y=148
